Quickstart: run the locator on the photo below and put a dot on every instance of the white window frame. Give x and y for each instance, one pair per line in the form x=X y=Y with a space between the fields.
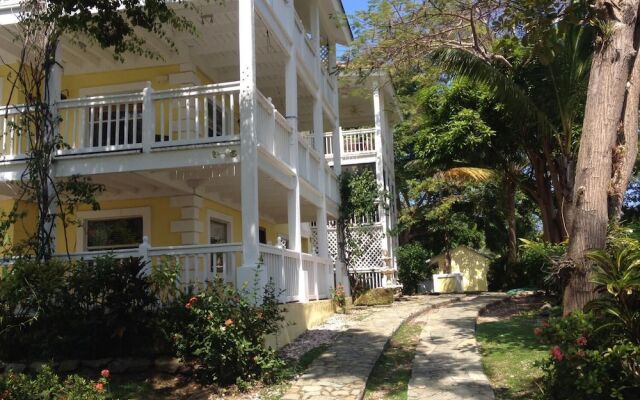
x=81 y=234
x=222 y=218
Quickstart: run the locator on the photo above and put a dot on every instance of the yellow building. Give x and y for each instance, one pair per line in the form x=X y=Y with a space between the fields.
x=201 y=153
x=468 y=271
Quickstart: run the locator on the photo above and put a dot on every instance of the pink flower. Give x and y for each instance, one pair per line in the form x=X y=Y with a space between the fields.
x=557 y=353
x=99 y=387
x=580 y=353
x=546 y=324
x=105 y=373
x=581 y=341
x=537 y=331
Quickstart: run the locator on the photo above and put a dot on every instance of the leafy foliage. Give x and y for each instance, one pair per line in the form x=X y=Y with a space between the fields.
x=47 y=385
x=76 y=310
x=412 y=266
x=224 y=334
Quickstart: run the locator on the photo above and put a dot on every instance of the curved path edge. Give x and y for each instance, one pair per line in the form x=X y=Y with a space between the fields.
x=447 y=364
x=342 y=371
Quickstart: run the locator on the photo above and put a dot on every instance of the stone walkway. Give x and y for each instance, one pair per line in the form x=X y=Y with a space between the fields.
x=342 y=371
x=447 y=363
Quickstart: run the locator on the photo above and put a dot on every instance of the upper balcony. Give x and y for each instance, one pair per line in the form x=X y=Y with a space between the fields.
x=357 y=146
x=175 y=128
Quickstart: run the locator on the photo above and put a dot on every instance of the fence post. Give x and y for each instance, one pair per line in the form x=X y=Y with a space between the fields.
x=143 y=251
x=148 y=119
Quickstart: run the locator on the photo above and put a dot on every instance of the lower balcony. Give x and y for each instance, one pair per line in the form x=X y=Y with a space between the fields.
x=299 y=277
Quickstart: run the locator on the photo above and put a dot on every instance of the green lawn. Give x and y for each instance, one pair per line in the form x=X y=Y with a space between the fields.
x=390 y=376
x=509 y=351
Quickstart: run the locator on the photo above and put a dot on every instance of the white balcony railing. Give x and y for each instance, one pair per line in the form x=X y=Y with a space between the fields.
x=355 y=142
x=201 y=264
x=153 y=120
x=274 y=131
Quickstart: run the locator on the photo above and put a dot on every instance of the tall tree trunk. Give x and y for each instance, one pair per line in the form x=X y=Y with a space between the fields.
x=604 y=121
x=510 y=215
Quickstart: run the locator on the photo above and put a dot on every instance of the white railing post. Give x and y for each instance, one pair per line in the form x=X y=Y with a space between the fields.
x=143 y=251
x=271 y=130
x=148 y=119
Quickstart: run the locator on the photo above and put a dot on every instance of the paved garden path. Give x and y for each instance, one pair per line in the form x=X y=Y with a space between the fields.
x=447 y=363
x=341 y=372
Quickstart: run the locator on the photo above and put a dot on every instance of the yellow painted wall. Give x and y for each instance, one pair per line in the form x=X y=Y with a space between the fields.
x=25 y=226
x=298 y=318
x=471 y=264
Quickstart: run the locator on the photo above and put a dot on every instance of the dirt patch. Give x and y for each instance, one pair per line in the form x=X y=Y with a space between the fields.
x=514 y=305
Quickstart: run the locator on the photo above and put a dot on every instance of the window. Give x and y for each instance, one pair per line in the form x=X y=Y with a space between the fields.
x=114 y=233
x=262 y=235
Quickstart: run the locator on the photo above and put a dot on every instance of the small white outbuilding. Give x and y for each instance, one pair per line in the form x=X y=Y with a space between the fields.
x=468 y=271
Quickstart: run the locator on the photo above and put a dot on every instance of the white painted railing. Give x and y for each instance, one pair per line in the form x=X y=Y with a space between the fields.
x=354 y=142
x=102 y=123
x=313 y=172
x=331 y=186
x=201 y=264
x=12 y=145
x=319 y=274
x=193 y=115
x=282 y=267
x=274 y=131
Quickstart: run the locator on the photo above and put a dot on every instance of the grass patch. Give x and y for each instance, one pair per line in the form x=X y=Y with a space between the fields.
x=509 y=351
x=390 y=376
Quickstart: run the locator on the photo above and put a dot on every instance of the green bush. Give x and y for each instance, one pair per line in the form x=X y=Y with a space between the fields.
x=76 y=310
x=586 y=362
x=595 y=355
x=48 y=386
x=412 y=266
x=224 y=334
x=530 y=271
x=375 y=297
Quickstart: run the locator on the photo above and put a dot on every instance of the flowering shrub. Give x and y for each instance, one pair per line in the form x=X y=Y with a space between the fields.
x=224 y=334
x=339 y=297
x=586 y=362
x=47 y=385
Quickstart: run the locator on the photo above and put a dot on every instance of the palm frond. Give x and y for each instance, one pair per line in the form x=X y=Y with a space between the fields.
x=466 y=175
x=465 y=64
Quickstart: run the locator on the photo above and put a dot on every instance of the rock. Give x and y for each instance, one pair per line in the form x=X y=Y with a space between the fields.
x=96 y=364
x=15 y=367
x=122 y=365
x=545 y=310
x=67 y=366
x=169 y=365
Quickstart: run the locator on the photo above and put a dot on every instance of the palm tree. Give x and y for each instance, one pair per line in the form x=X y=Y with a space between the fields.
x=544 y=96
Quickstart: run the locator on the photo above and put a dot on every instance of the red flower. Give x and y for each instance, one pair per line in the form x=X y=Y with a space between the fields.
x=99 y=387
x=192 y=300
x=581 y=341
x=228 y=322
x=557 y=353
x=105 y=373
x=537 y=331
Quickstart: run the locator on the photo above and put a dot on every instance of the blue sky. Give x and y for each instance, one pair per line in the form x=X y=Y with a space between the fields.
x=350 y=6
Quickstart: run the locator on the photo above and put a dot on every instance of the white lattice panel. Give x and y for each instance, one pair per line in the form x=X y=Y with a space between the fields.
x=364 y=248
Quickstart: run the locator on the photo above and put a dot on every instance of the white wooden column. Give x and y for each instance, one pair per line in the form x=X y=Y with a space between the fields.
x=293 y=199
x=52 y=97
x=378 y=108
x=248 y=142
x=293 y=196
